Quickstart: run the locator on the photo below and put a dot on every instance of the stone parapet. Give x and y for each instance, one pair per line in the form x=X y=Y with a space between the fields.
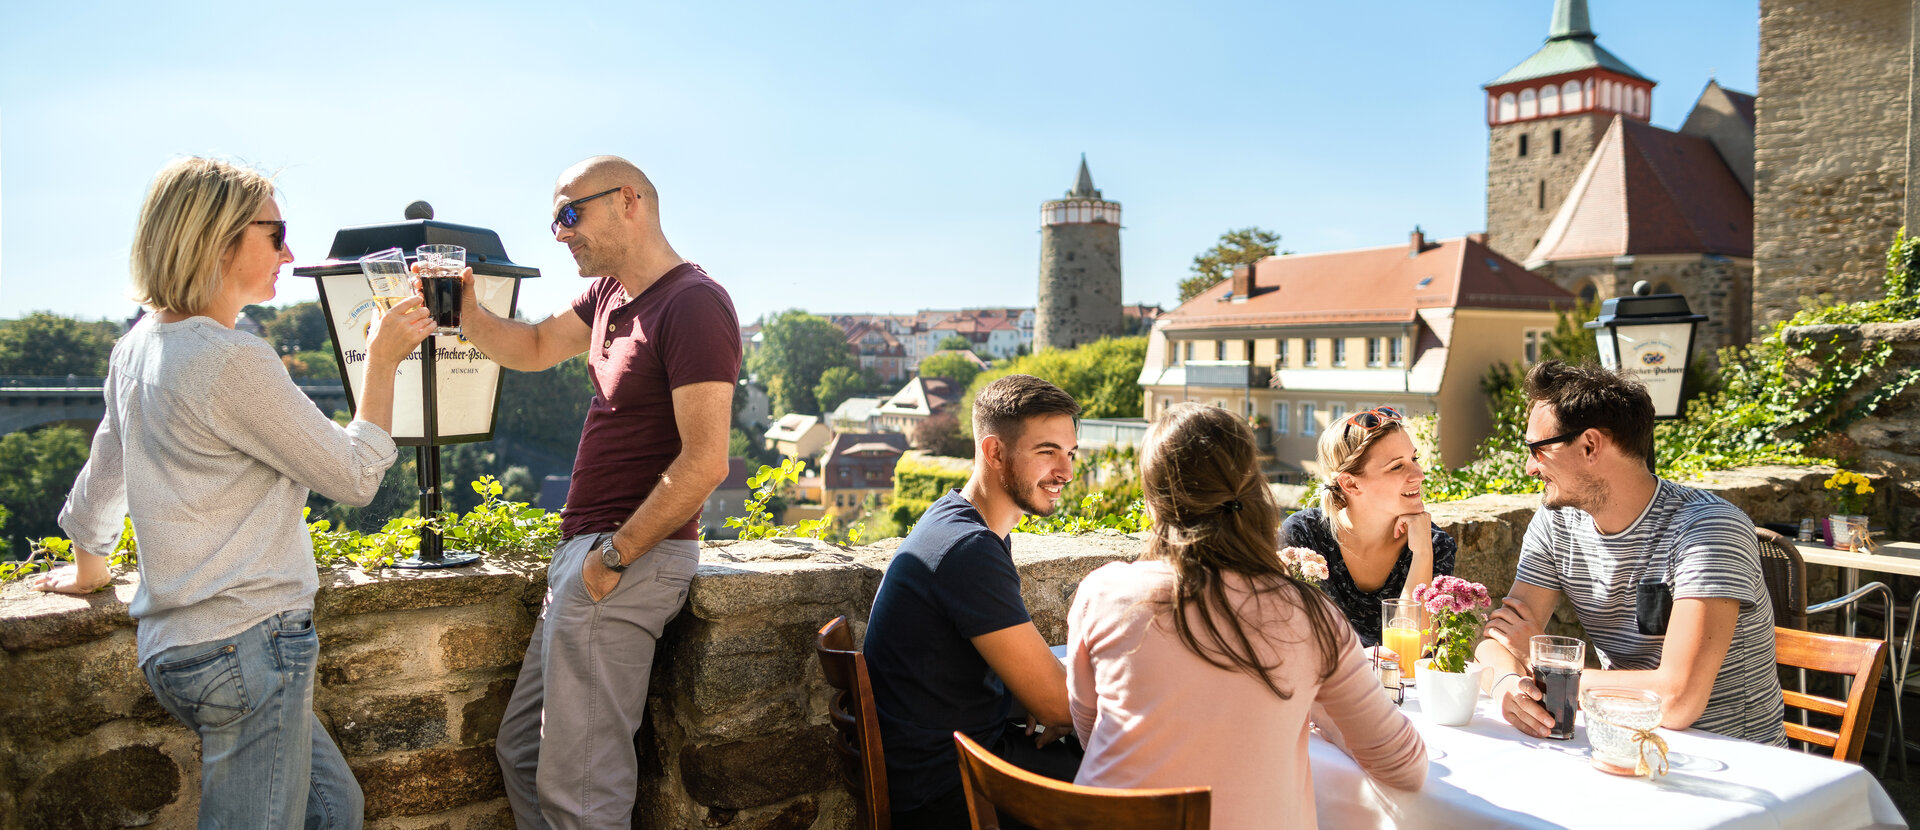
x=416 y=668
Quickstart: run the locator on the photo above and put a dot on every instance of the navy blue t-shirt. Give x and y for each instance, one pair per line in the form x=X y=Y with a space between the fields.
x=952 y=580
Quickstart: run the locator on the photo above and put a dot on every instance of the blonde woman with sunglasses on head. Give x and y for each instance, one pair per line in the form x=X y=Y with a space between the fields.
x=1373 y=525
x=211 y=449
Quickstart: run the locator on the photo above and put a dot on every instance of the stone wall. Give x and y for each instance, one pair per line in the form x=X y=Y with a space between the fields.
x=1830 y=149
x=1516 y=214
x=1079 y=285
x=416 y=668
x=1888 y=442
x=1717 y=286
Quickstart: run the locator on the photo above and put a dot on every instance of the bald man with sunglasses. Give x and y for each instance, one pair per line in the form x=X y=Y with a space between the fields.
x=663 y=353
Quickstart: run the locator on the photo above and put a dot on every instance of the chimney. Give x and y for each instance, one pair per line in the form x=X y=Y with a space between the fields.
x=1242 y=281
x=1416 y=242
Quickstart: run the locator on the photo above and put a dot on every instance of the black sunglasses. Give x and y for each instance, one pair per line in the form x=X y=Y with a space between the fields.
x=1534 y=447
x=569 y=214
x=279 y=236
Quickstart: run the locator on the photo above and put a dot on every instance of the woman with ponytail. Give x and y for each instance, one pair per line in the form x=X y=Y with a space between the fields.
x=1373 y=527
x=1175 y=660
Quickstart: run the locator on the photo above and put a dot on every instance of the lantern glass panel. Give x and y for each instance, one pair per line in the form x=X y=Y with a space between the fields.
x=1657 y=355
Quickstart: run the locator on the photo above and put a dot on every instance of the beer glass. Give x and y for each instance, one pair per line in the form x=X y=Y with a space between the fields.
x=387 y=274
x=440 y=267
x=1557 y=662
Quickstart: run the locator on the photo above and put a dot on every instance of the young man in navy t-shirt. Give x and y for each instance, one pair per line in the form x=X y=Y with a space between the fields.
x=949 y=644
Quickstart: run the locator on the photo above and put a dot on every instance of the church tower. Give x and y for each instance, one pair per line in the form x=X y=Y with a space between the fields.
x=1544 y=117
x=1079 y=268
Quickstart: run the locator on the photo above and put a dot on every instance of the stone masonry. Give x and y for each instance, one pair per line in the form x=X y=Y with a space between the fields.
x=1717 y=286
x=1516 y=215
x=1831 y=149
x=416 y=668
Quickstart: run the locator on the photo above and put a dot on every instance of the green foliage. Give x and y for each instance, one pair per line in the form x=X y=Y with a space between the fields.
x=1903 y=272
x=1114 y=503
x=39 y=470
x=500 y=524
x=959 y=367
x=397 y=539
x=917 y=483
x=44 y=343
x=836 y=385
x=1244 y=246
x=301 y=327
x=1104 y=376
x=312 y=366
x=954 y=342
x=768 y=483
x=796 y=350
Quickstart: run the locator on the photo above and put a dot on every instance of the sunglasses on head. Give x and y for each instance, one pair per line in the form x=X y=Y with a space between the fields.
x=279 y=236
x=569 y=214
x=1373 y=419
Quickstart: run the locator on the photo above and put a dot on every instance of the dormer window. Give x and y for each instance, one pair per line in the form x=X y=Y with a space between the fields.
x=1423 y=283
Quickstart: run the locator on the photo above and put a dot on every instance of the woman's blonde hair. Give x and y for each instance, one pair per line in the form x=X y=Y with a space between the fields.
x=1212 y=514
x=1343 y=449
x=194 y=214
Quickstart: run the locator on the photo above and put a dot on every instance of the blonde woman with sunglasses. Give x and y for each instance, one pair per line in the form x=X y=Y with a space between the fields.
x=1373 y=525
x=211 y=450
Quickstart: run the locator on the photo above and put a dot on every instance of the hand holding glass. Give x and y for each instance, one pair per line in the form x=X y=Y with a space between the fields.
x=1557 y=662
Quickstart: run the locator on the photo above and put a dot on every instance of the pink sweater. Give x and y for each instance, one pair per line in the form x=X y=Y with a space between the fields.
x=1151 y=713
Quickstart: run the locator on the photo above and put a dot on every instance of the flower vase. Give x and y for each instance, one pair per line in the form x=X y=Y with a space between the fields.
x=1449 y=698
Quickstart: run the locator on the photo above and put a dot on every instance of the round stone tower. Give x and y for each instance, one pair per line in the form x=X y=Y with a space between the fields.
x=1079 y=268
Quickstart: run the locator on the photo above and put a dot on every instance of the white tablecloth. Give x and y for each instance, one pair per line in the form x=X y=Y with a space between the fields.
x=1488 y=774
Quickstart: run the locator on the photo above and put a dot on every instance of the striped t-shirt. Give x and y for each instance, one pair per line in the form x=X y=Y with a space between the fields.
x=1702 y=546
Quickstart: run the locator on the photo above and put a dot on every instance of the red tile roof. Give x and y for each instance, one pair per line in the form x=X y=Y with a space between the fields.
x=1650 y=191
x=1371 y=285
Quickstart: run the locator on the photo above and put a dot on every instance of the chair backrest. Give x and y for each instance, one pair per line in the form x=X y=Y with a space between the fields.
x=993 y=786
x=1858 y=657
x=856 y=725
x=1786 y=576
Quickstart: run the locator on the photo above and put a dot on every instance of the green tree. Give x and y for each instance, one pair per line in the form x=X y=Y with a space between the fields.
x=1104 y=376
x=960 y=368
x=796 y=350
x=1244 y=246
x=836 y=385
x=311 y=366
x=40 y=467
x=301 y=327
x=954 y=342
x=44 y=343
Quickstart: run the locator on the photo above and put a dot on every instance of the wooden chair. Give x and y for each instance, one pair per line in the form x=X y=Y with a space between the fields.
x=1858 y=658
x=993 y=786
x=856 y=724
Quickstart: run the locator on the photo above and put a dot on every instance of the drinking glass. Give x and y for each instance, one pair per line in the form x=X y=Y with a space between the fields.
x=387 y=274
x=440 y=267
x=1557 y=662
x=1614 y=717
x=1400 y=631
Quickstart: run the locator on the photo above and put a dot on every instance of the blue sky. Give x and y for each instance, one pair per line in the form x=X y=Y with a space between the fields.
x=828 y=156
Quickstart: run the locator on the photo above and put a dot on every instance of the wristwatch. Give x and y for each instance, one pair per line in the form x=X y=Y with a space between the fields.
x=609 y=557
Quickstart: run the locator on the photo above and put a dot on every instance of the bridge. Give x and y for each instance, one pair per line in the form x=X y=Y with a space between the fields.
x=27 y=402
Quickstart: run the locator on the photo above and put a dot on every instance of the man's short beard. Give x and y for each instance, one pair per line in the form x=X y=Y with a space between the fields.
x=1588 y=494
x=1022 y=494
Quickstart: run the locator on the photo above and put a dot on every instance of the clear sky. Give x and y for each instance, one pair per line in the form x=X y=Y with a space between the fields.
x=828 y=156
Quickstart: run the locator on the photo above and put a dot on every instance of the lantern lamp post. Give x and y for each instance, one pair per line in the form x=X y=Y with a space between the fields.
x=447 y=392
x=1649 y=337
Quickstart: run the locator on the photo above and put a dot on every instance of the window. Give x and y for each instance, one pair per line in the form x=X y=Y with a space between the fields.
x=1339 y=351
x=1396 y=351
x=1219 y=350
x=1507 y=109
x=1550 y=100
x=1281 y=409
x=1533 y=341
x=1335 y=413
x=1280 y=352
x=1640 y=102
x=1307 y=425
x=1523 y=144
x=1312 y=352
x=1373 y=350
x=1543 y=195
x=1248 y=406
x=1189 y=350
x=1556 y=142
x=1589 y=293
x=1528 y=109
x=1570 y=96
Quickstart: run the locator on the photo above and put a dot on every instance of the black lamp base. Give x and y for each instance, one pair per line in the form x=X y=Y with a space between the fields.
x=448 y=559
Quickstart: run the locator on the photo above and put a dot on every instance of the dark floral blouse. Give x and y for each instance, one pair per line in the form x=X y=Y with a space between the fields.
x=1308 y=529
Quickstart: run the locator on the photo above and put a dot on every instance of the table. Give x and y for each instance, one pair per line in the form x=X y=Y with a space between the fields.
x=1488 y=775
x=1889 y=558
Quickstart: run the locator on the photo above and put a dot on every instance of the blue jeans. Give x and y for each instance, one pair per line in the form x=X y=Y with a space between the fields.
x=265 y=761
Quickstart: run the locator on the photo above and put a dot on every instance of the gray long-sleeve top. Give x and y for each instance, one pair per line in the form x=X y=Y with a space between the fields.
x=211 y=449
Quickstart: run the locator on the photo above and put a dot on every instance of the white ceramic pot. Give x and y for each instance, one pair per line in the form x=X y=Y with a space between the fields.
x=1448 y=698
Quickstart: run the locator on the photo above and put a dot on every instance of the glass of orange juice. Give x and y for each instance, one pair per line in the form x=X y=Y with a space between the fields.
x=1400 y=631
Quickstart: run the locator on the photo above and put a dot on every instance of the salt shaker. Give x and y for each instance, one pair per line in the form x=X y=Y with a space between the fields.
x=1389 y=670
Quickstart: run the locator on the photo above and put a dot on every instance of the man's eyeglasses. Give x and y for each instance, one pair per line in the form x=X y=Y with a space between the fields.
x=569 y=214
x=279 y=236
x=1534 y=447
x=1373 y=419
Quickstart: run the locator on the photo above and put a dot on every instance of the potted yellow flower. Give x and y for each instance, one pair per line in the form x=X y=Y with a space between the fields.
x=1847 y=527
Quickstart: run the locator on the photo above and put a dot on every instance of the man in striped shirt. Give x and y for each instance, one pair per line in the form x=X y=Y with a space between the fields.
x=1606 y=524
